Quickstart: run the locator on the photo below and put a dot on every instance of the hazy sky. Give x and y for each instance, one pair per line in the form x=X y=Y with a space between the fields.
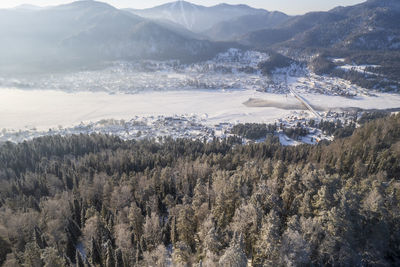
x=288 y=6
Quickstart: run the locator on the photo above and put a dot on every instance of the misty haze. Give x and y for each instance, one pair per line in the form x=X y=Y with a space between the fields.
x=190 y=135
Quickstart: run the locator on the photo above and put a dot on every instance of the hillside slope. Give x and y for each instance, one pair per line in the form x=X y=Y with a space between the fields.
x=235 y=28
x=88 y=33
x=372 y=25
x=195 y=17
x=98 y=199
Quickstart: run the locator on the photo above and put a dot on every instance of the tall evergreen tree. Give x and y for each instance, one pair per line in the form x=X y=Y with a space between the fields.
x=78 y=259
x=110 y=260
x=95 y=256
x=119 y=262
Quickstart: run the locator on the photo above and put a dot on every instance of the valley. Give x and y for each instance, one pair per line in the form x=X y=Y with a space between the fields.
x=203 y=100
x=199 y=135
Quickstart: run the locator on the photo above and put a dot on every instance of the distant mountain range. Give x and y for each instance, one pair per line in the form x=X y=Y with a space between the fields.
x=197 y=18
x=219 y=23
x=372 y=25
x=87 y=33
x=233 y=29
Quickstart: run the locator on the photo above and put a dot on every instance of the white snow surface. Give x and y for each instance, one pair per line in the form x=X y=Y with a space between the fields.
x=44 y=109
x=157 y=99
x=377 y=101
x=359 y=68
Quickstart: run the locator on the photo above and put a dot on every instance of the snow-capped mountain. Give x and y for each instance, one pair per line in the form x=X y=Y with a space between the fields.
x=88 y=33
x=195 y=17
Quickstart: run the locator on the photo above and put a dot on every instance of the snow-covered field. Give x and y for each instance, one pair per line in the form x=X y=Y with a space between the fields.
x=191 y=114
x=25 y=114
x=359 y=68
x=153 y=99
x=41 y=109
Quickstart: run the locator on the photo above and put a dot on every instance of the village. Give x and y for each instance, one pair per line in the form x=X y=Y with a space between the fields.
x=188 y=126
x=232 y=71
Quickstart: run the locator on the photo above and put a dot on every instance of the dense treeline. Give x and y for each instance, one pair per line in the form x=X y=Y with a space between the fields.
x=274 y=62
x=321 y=65
x=99 y=201
x=260 y=131
x=254 y=131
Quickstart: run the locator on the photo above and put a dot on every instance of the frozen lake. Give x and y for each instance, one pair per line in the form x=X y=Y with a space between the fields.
x=43 y=109
x=26 y=114
x=153 y=99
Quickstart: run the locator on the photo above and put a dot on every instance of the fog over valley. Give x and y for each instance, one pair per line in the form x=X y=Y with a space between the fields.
x=199 y=135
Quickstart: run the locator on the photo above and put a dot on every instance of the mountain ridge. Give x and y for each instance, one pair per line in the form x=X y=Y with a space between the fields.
x=234 y=28
x=371 y=25
x=88 y=33
x=194 y=17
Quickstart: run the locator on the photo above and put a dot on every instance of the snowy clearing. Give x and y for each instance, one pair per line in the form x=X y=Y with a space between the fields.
x=40 y=109
x=359 y=68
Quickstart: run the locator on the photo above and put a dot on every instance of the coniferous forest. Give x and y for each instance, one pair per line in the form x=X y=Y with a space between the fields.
x=100 y=201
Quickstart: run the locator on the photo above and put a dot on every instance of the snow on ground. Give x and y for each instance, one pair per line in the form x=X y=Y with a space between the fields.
x=338 y=60
x=41 y=109
x=309 y=88
x=202 y=114
x=25 y=114
x=235 y=57
x=154 y=99
x=313 y=83
x=230 y=70
x=359 y=68
x=286 y=141
x=378 y=101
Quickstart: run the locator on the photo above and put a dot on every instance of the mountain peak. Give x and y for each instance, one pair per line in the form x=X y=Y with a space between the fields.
x=178 y=4
x=88 y=4
x=28 y=7
x=229 y=5
x=196 y=18
x=183 y=2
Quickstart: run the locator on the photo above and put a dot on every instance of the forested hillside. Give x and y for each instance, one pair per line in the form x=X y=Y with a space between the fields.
x=87 y=34
x=100 y=201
